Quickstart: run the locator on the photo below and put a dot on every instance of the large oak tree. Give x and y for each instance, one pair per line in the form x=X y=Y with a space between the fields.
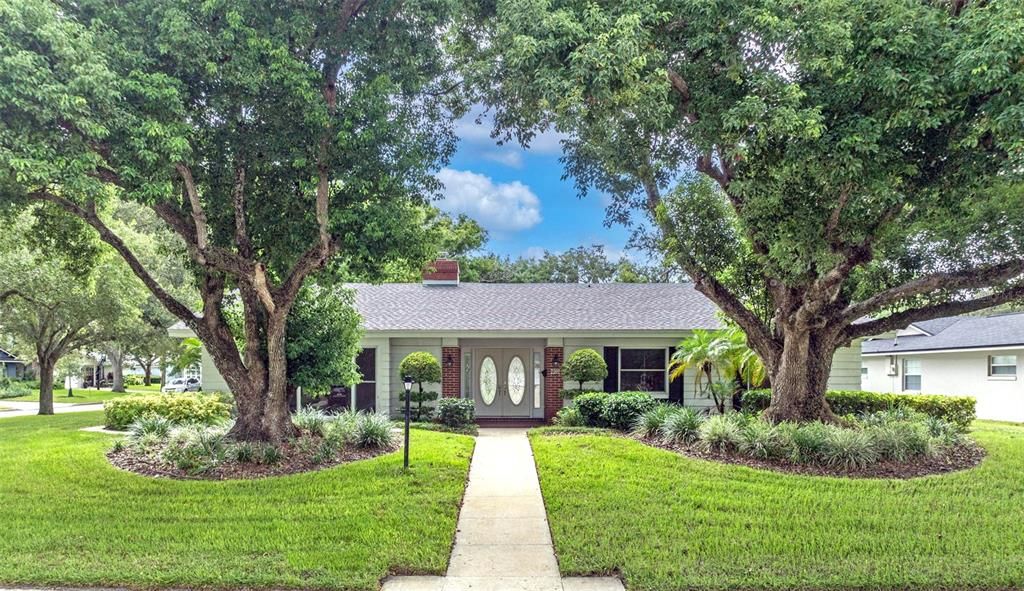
x=273 y=138
x=823 y=170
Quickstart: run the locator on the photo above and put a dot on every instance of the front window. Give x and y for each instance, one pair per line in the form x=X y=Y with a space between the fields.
x=1002 y=365
x=643 y=370
x=912 y=375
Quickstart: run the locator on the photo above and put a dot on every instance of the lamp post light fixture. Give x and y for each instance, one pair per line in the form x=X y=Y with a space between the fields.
x=408 y=396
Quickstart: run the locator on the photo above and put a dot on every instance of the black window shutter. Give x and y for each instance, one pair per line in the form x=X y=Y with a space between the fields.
x=675 y=387
x=611 y=359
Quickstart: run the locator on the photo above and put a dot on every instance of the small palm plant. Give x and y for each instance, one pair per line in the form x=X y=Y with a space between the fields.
x=721 y=354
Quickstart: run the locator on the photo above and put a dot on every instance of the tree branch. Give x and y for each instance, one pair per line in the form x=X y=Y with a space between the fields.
x=238 y=201
x=107 y=235
x=198 y=215
x=968 y=279
x=905 y=318
x=758 y=334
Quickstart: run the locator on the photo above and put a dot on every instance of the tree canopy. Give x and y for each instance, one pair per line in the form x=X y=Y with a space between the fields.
x=822 y=170
x=273 y=139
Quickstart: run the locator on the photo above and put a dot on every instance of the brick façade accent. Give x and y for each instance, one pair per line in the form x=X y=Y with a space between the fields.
x=451 y=373
x=552 y=382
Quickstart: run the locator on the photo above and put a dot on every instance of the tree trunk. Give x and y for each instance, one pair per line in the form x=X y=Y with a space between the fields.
x=147 y=372
x=800 y=377
x=117 y=368
x=262 y=400
x=46 y=366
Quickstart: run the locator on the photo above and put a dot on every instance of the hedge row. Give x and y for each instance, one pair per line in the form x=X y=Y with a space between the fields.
x=618 y=410
x=179 y=408
x=958 y=410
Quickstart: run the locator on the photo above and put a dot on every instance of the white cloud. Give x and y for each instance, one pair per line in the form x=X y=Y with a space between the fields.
x=475 y=129
x=509 y=157
x=499 y=207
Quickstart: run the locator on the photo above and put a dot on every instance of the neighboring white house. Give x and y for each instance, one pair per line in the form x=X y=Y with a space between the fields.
x=502 y=345
x=975 y=356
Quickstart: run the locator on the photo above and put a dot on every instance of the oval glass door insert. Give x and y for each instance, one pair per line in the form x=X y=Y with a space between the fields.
x=516 y=380
x=488 y=380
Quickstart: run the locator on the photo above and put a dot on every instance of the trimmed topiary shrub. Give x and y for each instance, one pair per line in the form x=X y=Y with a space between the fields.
x=455 y=412
x=957 y=410
x=585 y=365
x=423 y=368
x=203 y=409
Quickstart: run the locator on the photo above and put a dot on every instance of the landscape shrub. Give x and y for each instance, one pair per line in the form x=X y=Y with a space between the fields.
x=591 y=407
x=13 y=388
x=133 y=380
x=621 y=409
x=569 y=394
x=957 y=410
x=569 y=417
x=584 y=365
x=682 y=425
x=455 y=412
x=178 y=408
x=649 y=423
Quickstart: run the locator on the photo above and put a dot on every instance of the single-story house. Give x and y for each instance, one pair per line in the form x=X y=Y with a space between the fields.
x=964 y=355
x=10 y=366
x=503 y=345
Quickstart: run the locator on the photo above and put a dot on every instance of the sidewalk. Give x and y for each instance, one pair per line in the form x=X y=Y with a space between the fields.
x=23 y=409
x=503 y=542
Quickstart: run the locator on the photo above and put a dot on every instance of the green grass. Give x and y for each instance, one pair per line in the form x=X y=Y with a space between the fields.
x=69 y=518
x=81 y=396
x=670 y=522
x=155 y=387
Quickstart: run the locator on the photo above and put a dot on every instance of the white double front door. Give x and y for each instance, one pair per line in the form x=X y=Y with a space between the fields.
x=502 y=382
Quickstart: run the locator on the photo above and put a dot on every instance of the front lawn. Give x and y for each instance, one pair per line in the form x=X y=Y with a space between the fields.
x=339 y=528
x=81 y=396
x=670 y=522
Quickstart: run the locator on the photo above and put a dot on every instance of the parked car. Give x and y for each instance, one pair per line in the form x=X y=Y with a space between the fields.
x=182 y=385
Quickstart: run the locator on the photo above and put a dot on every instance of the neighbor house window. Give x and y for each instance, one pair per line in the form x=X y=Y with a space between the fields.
x=1002 y=365
x=643 y=370
x=912 y=375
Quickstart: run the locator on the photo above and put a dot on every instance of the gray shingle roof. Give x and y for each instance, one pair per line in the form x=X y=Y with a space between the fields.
x=534 y=307
x=8 y=357
x=959 y=332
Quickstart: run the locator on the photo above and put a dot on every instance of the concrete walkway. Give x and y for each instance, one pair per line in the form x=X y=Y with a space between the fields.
x=23 y=409
x=503 y=542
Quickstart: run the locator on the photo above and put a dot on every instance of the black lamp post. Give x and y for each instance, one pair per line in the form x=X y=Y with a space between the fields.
x=408 y=397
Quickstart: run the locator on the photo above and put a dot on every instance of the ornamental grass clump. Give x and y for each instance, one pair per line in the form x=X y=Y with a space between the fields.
x=722 y=433
x=681 y=426
x=764 y=441
x=311 y=421
x=373 y=430
x=849 y=448
x=649 y=423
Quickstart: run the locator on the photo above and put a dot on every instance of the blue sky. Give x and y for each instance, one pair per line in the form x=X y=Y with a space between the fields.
x=520 y=198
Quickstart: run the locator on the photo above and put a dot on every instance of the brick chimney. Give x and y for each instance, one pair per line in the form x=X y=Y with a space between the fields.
x=441 y=272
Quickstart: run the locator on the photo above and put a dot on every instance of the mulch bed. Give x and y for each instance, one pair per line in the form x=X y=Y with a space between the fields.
x=292 y=462
x=963 y=457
